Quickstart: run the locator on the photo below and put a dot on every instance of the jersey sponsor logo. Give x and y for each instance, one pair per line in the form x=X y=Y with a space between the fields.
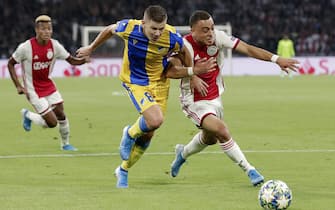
x=50 y=54
x=41 y=65
x=197 y=57
x=134 y=41
x=212 y=50
x=36 y=57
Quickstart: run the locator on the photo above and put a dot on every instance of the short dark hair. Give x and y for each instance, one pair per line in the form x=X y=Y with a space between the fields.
x=156 y=13
x=198 y=15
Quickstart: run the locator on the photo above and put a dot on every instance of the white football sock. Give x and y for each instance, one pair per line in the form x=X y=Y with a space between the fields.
x=234 y=152
x=64 y=130
x=194 y=146
x=36 y=119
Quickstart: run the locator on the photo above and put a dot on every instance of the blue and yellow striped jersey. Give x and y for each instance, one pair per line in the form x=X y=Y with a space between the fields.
x=143 y=60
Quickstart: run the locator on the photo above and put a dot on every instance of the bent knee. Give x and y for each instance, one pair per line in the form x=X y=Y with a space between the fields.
x=155 y=123
x=51 y=124
x=223 y=133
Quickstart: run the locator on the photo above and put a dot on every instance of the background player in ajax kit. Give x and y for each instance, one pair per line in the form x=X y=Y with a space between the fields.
x=37 y=56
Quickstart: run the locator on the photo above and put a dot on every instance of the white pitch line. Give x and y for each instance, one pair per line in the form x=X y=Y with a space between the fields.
x=157 y=153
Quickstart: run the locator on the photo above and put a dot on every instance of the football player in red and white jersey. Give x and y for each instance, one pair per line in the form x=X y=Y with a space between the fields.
x=203 y=105
x=37 y=57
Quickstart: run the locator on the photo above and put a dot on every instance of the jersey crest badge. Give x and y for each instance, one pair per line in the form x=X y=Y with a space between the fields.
x=212 y=50
x=50 y=54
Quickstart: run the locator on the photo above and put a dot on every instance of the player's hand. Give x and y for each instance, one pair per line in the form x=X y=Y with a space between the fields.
x=84 y=51
x=199 y=85
x=21 y=90
x=87 y=59
x=287 y=64
x=204 y=65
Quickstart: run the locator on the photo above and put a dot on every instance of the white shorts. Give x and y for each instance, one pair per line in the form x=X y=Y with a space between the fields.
x=200 y=109
x=45 y=104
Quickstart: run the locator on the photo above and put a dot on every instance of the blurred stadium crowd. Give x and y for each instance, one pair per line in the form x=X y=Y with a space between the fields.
x=261 y=22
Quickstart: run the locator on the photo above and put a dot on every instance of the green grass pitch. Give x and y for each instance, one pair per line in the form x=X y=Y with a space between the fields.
x=285 y=126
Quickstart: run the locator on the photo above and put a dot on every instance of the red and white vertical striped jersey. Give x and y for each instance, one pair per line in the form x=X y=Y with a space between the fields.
x=37 y=63
x=214 y=78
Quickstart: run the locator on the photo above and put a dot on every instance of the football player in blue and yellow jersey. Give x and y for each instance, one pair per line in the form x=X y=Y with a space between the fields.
x=148 y=44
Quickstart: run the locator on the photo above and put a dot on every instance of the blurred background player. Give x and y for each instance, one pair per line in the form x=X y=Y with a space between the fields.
x=285 y=49
x=148 y=43
x=37 y=56
x=204 y=107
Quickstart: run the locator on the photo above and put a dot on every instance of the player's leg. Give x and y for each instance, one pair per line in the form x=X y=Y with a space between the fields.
x=136 y=138
x=121 y=177
x=63 y=127
x=143 y=129
x=151 y=103
x=137 y=150
x=140 y=146
x=213 y=124
x=49 y=116
x=57 y=116
x=196 y=112
x=196 y=145
x=131 y=134
x=29 y=117
x=44 y=116
x=150 y=120
x=151 y=117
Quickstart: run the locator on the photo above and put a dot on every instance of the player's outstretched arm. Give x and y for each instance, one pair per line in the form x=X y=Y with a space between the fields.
x=105 y=34
x=285 y=64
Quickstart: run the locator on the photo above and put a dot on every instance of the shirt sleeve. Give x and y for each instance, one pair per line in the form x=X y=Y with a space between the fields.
x=178 y=44
x=19 y=54
x=60 y=51
x=224 y=40
x=179 y=40
x=121 y=27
